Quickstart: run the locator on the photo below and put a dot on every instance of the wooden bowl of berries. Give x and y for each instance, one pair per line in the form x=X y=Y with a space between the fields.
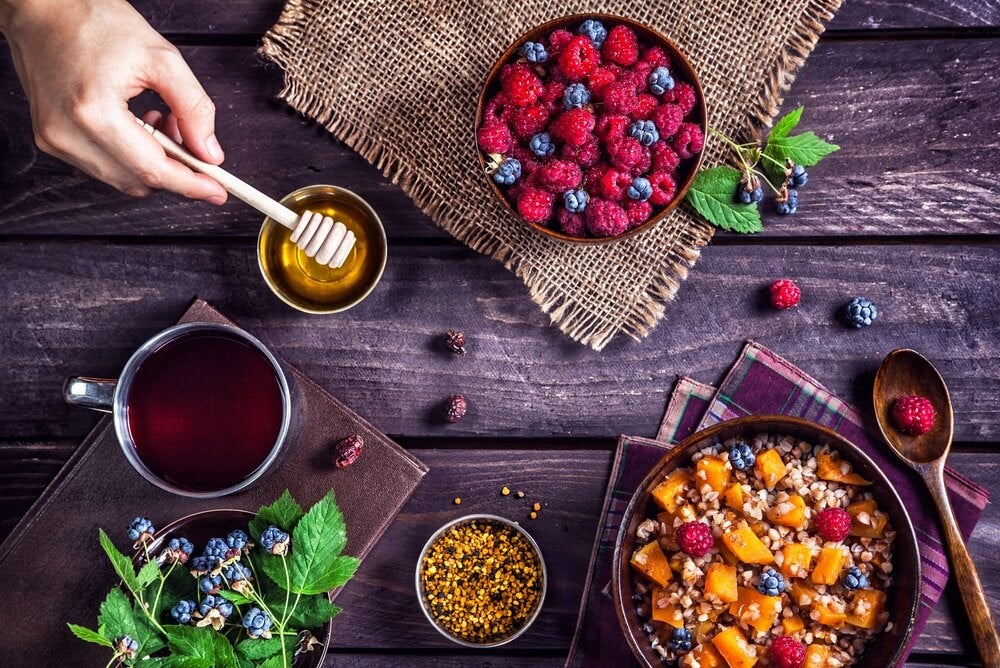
x=590 y=128
x=770 y=540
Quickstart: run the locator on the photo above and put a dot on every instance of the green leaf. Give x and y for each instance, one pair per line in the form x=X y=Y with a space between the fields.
x=121 y=563
x=273 y=662
x=234 y=597
x=118 y=617
x=202 y=645
x=312 y=612
x=283 y=513
x=147 y=574
x=805 y=149
x=257 y=649
x=83 y=633
x=786 y=124
x=713 y=196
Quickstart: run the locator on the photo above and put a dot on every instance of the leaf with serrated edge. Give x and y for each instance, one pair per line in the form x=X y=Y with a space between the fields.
x=234 y=597
x=122 y=564
x=805 y=149
x=713 y=196
x=118 y=617
x=311 y=612
x=83 y=633
x=284 y=513
x=786 y=124
x=201 y=643
x=316 y=543
x=147 y=574
x=257 y=649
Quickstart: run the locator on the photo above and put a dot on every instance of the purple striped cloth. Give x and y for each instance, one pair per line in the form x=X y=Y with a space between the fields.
x=760 y=382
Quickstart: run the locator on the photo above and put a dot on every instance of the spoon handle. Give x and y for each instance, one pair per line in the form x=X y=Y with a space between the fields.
x=966 y=575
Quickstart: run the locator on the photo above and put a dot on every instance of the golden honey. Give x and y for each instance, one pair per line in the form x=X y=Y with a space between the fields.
x=305 y=284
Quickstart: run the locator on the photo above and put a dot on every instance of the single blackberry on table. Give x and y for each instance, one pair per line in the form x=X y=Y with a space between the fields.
x=860 y=312
x=575 y=96
x=680 y=640
x=741 y=456
x=640 y=189
x=788 y=204
x=771 y=583
x=508 y=172
x=645 y=132
x=797 y=176
x=576 y=200
x=274 y=540
x=257 y=623
x=542 y=145
x=855 y=579
x=140 y=530
x=534 y=52
x=182 y=611
x=660 y=81
x=594 y=31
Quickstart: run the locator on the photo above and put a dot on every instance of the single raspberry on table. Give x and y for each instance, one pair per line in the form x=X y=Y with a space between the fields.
x=578 y=58
x=558 y=176
x=603 y=77
x=668 y=118
x=833 y=524
x=787 y=652
x=522 y=86
x=637 y=212
x=620 y=97
x=694 y=538
x=785 y=293
x=665 y=159
x=535 y=204
x=621 y=46
x=574 y=126
x=586 y=154
x=656 y=56
x=625 y=152
x=682 y=95
x=913 y=415
x=605 y=219
x=664 y=188
x=689 y=140
x=527 y=121
x=558 y=39
x=613 y=183
x=494 y=137
x=572 y=224
x=645 y=105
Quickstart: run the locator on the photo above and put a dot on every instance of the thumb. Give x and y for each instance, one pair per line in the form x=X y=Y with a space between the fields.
x=190 y=104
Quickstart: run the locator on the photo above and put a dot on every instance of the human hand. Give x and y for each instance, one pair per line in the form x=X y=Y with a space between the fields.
x=80 y=63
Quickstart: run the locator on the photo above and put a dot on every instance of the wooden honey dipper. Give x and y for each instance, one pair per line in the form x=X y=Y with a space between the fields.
x=322 y=238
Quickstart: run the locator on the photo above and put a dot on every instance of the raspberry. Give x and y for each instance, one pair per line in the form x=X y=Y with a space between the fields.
x=833 y=524
x=557 y=40
x=592 y=177
x=507 y=71
x=586 y=154
x=612 y=126
x=605 y=219
x=494 y=137
x=682 y=95
x=656 y=56
x=613 y=183
x=527 y=121
x=574 y=126
x=637 y=213
x=913 y=415
x=625 y=152
x=639 y=75
x=694 y=538
x=689 y=140
x=558 y=176
x=552 y=96
x=645 y=162
x=620 y=97
x=665 y=159
x=785 y=294
x=535 y=205
x=602 y=78
x=523 y=86
x=787 y=652
x=668 y=118
x=621 y=46
x=645 y=105
x=578 y=58
x=496 y=108
x=572 y=223
x=664 y=188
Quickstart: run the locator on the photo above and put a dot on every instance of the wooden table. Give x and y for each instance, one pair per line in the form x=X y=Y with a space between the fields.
x=906 y=214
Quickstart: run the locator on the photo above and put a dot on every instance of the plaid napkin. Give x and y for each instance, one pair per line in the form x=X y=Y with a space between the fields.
x=759 y=383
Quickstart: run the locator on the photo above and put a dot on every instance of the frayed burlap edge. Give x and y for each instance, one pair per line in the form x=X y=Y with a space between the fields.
x=571 y=318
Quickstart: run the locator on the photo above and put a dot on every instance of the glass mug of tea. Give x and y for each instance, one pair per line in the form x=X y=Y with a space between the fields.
x=200 y=410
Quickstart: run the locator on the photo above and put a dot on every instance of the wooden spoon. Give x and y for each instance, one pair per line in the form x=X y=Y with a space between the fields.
x=905 y=372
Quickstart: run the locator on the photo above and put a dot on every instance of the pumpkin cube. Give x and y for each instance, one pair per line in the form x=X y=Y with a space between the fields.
x=795 y=560
x=707 y=656
x=865 y=607
x=790 y=513
x=803 y=594
x=715 y=472
x=728 y=557
x=652 y=563
x=826 y=615
x=829 y=466
x=665 y=494
x=721 y=582
x=755 y=609
x=828 y=566
x=791 y=625
x=770 y=468
x=670 y=614
x=746 y=546
x=734 y=497
x=866 y=519
x=817 y=656
x=735 y=649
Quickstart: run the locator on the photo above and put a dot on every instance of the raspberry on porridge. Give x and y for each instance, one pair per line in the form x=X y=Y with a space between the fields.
x=763 y=552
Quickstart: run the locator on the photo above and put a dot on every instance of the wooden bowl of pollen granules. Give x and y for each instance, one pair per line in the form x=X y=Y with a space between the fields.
x=481 y=580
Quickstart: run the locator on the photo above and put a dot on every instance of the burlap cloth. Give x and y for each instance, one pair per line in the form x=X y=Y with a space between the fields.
x=398 y=80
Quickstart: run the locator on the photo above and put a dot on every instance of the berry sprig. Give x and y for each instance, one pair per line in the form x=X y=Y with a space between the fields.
x=728 y=196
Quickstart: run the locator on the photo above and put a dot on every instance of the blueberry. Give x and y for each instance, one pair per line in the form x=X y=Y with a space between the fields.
x=257 y=623
x=216 y=603
x=660 y=81
x=541 y=144
x=237 y=540
x=645 y=132
x=641 y=189
x=860 y=312
x=507 y=173
x=181 y=612
x=139 y=528
x=576 y=200
x=274 y=540
x=534 y=52
x=210 y=584
x=855 y=579
x=771 y=583
x=575 y=96
x=790 y=205
x=595 y=31
x=799 y=176
x=680 y=640
x=741 y=456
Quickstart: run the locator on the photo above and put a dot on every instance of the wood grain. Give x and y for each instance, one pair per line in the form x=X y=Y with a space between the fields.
x=932 y=173
x=381 y=612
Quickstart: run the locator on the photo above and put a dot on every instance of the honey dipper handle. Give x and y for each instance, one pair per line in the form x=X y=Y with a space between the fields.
x=241 y=189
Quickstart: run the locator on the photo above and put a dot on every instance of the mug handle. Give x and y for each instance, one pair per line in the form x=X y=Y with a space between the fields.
x=94 y=393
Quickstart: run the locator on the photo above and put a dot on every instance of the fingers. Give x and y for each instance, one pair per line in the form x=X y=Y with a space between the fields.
x=189 y=104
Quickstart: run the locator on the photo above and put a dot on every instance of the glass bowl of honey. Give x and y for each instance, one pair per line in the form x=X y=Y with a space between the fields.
x=305 y=284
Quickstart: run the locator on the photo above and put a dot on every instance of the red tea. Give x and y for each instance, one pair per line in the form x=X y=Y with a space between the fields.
x=204 y=410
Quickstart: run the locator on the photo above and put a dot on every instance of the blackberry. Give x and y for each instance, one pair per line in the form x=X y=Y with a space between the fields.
x=236 y=572
x=126 y=647
x=660 y=81
x=140 y=530
x=748 y=191
x=771 y=583
x=645 y=132
x=541 y=144
x=182 y=611
x=257 y=623
x=855 y=579
x=178 y=550
x=860 y=312
x=204 y=564
x=741 y=456
x=216 y=610
x=595 y=31
x=238 y=540
x=274 y=540
x=210 y=584
x=508 y=172
x=680 y=640
x=789 y=204
x=576 y=200
x=534 y=52
x=798 y=177
x=216 y=547
x=575 y=96
x=640 y=189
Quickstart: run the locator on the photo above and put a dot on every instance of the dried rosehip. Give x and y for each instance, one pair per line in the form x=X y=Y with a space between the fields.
x=457 y=406
x=348 y=451
x=455 y=341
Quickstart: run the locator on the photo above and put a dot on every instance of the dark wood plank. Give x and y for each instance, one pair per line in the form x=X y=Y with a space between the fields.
x=381 y=612
x=81 y=308
x=911 y=162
